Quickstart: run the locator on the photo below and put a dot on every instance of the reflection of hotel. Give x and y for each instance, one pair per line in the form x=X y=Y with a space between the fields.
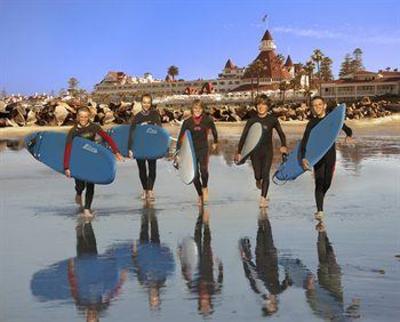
x=361 y=84
x=233 y=79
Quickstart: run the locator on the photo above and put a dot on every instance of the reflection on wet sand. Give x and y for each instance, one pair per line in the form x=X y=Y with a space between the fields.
x=201 y=270
x=92 y=281
x=324 y=292
x=352 y=156
x=152 y=260
x=263 y=273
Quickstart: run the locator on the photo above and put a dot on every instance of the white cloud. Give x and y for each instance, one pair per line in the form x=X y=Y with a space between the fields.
x=352 y=35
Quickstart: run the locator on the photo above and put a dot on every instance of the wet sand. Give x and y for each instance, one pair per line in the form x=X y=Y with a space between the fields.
x=347 y=272
x=384 y=126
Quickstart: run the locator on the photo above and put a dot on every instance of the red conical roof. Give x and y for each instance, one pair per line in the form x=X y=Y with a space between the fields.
x=272 y=67
x=267 y=36
x=229 y=64
x=289 y=62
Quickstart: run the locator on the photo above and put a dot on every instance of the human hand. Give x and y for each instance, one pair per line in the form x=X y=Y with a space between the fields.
x=305 y=165
x=67 y=173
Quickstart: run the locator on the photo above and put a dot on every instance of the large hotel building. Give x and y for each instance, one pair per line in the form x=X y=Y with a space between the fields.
x=240 y=82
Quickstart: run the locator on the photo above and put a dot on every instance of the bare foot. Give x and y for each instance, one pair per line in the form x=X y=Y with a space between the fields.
x=150 y=195
x=205 y=195
x=263 y=202
x=78 y=200
x=319 y=215
x=87 y=213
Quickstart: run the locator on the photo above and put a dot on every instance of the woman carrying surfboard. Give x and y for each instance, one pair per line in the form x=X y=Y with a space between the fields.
x=261 y=156
x=148 y=115
x=88 y=130
x=325 y=167
x=199 y=125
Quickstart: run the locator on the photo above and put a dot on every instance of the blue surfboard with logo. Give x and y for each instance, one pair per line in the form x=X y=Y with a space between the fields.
x=89 y=161
x=148 y=141
x=321 y=138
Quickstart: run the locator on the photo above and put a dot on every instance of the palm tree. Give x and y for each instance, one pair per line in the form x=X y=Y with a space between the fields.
x=281 y=58
x=283 y=87
x=317 y=57
x=173 y=71
x=251 y=71
x=309 y=70
x=258 y=69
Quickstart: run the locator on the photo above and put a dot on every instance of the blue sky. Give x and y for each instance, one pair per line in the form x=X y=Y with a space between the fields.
x=44 y=42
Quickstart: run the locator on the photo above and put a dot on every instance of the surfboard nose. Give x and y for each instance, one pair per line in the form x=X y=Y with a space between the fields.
x=30 y=142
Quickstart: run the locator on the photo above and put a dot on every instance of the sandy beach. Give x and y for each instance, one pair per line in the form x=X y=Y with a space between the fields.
x=351 y=265
x=389 y=126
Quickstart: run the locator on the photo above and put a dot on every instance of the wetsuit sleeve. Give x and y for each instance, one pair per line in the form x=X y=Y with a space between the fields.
x=347 y=130
x=157 y=118
x=278 y=129
x=180 y=136
x=214 y=130
x=304 y=140
x=109 y=140
x=244 y=135
x=68 y=148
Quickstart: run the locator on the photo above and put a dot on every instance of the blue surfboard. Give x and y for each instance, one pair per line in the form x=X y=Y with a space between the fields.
x=321 y=138
x=89 y=161
x=149 y=141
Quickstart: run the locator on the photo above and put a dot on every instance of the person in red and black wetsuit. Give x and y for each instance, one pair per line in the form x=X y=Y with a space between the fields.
x=324 y=168
x=87 y=130
x=199 y=125
x=261 y=156
x=148 y=115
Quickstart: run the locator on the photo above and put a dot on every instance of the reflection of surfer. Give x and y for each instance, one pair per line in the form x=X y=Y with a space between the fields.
x=261 y=156
x=86 y=129
x=154 y=262
x=199 y=125
x=148 y=115
x=325 y=297
x=263 y=274
x=203 y=274
x=91 y=280
x=324 y=168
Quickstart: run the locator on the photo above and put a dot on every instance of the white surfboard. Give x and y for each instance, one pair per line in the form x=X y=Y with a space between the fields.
x=189 y=256
x=251 y=141
x=187 y=159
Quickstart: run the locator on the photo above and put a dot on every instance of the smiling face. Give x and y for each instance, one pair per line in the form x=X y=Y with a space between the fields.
x=318 y=107
x=83 y=118
x=262 y=108
x=146 y=103
x=197 y=110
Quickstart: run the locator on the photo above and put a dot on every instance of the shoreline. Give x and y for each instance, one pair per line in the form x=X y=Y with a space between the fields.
x=387 y=126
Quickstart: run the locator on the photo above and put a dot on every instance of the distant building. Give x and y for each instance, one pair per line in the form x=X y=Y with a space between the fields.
x=362 y=83
x=232 y=79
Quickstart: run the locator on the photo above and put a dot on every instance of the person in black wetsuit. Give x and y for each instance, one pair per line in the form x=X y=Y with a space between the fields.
x=148 y=115
x=261 y=156
x=324 y=168
x=199 y=125
x=87 y=130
